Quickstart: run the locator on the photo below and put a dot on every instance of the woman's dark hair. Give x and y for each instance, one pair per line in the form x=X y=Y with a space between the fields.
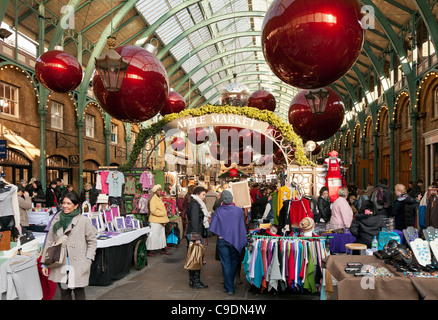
x=38 y=184
x=198 y=190
x=73 y=197
x=322 y=190
x=368 y=204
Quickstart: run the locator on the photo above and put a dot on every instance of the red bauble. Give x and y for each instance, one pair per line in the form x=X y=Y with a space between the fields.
x=279 y=157
x=218 y=152
x=58 y=71
x=311 y=44
x=243 y=158
x=144 y=90
x=233 y=138
x=262 y=100
x=175 y=103
x=197 y=135
x=263 y=145
x=178 y=144
x=317 y=150
x=316 y=127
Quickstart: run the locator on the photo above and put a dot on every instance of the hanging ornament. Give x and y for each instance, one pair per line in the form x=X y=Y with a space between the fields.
x=263 y=145
x=175 y=103
x=233 y=138
x=235 y=94
x=178 y=144
x=262 y=100
x=243 y=158
x=317 y=150
x=311 y=44
x=197 y=135
x=218 y=152
x=316 y=127
x=58 y=71
x=144 y=89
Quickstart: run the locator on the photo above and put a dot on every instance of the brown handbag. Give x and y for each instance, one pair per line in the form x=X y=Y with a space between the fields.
x=56 y=253
x=5 y=240
x=195 y=256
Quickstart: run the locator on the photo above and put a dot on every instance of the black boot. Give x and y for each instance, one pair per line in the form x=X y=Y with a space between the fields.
x=197 y=284
x=191 y=277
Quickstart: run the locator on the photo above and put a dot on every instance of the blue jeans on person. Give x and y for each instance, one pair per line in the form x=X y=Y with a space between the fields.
x=230 y=258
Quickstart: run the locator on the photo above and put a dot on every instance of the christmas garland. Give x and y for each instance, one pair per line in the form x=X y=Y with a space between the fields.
x=253 y=113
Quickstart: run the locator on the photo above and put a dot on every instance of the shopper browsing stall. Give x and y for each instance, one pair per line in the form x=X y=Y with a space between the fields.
x=228 y=224
x=73 y=275
x=367 y=224
x=158 y=219
x=342 y=215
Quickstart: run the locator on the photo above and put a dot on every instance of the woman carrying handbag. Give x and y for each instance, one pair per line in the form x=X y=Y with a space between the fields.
x=74 y=273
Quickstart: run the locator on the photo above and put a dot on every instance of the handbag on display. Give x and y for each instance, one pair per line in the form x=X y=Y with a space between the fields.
x=56 y=253
x=195 y=256
x=5 y=240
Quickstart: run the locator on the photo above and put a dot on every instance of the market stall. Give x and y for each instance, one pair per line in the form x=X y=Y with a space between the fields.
x=384 y=286
x=115 y=254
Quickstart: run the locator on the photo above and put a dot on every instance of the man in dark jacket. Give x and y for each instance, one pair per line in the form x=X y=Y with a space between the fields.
x=412 y=205
x=367 y=224
x=384 y=208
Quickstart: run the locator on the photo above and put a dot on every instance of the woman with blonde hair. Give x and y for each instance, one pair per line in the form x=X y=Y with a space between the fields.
x=398 y=210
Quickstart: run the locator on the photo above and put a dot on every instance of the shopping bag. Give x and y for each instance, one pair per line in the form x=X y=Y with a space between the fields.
x=195 y=256
x=172 y=238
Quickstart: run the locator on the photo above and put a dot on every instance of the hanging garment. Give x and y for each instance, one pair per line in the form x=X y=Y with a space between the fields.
x=147 y=180
x=104 y=176
x=130 y=185
x=115 y=181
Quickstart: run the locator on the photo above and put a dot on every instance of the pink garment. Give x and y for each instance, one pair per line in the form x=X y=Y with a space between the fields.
x=147 y=180
x=104 y=176
x=342 y=215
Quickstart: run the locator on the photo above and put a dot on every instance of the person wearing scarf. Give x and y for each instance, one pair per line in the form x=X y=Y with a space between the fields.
x=74 y=274
x=197 y=222
x=228 y=223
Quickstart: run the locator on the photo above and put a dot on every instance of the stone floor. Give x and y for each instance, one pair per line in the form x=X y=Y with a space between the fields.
x=164 y=278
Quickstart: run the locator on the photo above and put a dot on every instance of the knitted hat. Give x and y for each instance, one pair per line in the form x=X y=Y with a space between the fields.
x=156 y=187
x=226 y=197
x=307 y=224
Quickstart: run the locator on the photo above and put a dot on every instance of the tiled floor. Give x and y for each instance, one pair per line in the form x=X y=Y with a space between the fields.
x=166 y=279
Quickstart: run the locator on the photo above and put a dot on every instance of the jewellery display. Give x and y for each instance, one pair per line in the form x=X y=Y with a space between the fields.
x=410 y=234
x=421 y=251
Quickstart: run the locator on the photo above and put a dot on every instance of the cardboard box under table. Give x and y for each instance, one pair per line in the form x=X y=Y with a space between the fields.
x=399 y=287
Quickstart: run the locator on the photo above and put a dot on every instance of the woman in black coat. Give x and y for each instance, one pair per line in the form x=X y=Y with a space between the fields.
x=324 y=206
x=366 y=224
x=195 y=230
x=412 y=205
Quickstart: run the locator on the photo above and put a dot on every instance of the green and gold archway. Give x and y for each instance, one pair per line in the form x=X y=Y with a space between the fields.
x=289 y=139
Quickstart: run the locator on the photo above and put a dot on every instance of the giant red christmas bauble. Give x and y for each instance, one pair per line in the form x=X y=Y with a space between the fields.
x=175 y=103
x=243 y=158
x=316 y=127
x=58 y=71
x=310 y=44
x=144 y=90
x=263 y=145
x=233 y=138
x=197 y=135
x=178 y=144
x=263 y=100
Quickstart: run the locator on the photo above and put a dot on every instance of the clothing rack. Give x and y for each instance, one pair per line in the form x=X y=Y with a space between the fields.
x=290 y=237
x=108 y=167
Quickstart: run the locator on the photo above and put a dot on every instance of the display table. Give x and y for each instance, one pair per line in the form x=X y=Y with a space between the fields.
x=114 y=256
x=339 y=240
x=399 y=287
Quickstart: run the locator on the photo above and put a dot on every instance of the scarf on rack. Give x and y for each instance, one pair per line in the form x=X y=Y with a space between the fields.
x=204 y=210
x=65 y=219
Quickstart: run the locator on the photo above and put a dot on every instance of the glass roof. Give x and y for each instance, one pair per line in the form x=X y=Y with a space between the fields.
x=245 y=57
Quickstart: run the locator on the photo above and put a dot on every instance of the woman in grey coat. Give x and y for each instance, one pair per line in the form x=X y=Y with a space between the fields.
x=74 y=274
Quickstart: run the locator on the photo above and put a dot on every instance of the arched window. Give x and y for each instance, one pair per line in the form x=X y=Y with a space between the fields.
x=16 y=166
x=435 y=103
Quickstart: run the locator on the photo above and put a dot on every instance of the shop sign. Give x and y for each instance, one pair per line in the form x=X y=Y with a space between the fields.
x=73 y=160
x=3 y=149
